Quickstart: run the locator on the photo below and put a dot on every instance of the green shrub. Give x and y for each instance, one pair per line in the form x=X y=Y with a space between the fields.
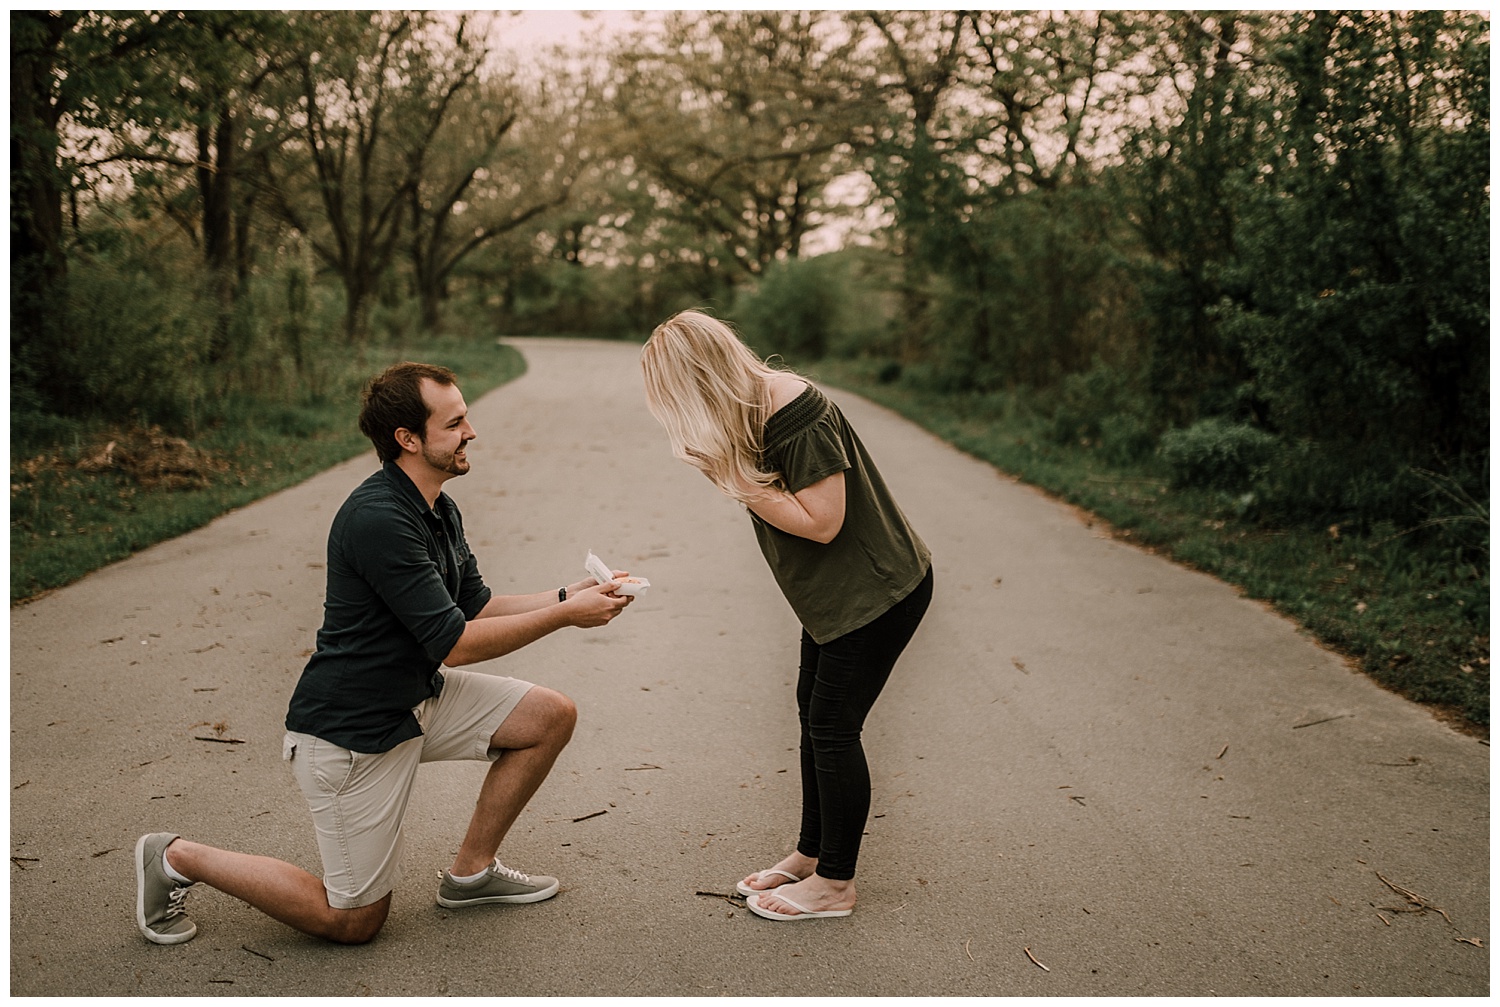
x=1217 y=454
x=816 y=307
x=1104 y=407
x=1125 y=438
x=1364 y=314
x=137 y=339
x=791 y=310
x=1022 y=291
x=1316 y=484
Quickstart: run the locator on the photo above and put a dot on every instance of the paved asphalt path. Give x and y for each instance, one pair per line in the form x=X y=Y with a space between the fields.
x=1095 y=773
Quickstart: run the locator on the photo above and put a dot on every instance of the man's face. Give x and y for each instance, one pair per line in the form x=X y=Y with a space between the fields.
x=448 y=429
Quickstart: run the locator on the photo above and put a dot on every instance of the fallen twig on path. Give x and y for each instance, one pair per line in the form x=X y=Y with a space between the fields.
x=1034 y=961
x=1323 y=720
x=1476 y=941
x=1416 y=903
x=1221 y=752
x=966 y=949
x=725 y=896
x=636 y=769
x=258 y=954
x=584 y=818
x=222 y=741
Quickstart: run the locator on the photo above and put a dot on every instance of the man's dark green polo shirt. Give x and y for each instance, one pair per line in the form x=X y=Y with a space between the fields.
x=401 y=585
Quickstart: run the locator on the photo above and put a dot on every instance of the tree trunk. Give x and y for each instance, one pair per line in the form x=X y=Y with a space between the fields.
x=216 y=150
x=39 y=270
x=356 y=307
x=430 y=294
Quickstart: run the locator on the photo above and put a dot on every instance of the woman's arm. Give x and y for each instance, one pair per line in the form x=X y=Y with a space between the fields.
x=815 y=513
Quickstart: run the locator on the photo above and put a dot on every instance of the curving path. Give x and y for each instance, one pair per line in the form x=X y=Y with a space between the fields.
x=1154 y=785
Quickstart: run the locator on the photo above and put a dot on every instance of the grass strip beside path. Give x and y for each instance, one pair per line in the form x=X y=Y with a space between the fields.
x=76 y=507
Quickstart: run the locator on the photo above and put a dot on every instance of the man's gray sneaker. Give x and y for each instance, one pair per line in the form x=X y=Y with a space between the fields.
x=158 y=899
x=499 y=884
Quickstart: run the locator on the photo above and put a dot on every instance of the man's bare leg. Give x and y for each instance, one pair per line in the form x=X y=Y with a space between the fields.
x=278 y=889
x=532 y=737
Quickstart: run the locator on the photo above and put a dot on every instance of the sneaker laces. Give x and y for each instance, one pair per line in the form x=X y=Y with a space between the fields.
x=175 y=899
x=511 y=873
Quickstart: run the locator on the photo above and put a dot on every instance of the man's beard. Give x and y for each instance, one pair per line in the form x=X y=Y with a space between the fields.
x=450 y=462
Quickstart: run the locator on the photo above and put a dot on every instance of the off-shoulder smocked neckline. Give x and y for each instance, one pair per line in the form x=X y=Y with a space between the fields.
x=807 y=407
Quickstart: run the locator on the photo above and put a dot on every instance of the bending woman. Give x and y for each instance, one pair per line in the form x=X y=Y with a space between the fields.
x=853 y=570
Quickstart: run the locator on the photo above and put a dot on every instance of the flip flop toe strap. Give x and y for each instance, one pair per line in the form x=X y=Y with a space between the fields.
x=801 y=910
x=776 y=870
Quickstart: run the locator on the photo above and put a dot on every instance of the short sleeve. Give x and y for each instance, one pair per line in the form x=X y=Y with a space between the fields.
x=390 y=553
x=812 y=454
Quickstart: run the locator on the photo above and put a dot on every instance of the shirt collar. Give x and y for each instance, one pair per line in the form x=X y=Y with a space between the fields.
x=407 y=490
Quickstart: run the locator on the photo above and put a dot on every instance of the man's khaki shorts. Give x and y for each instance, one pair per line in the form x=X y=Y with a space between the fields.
x=358 y=800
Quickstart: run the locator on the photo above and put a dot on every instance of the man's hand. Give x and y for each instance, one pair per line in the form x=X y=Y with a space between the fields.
x=510 y=622
x=584 y=585
x=594 y=605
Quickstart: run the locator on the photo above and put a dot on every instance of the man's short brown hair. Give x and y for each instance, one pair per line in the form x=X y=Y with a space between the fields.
x=393 y=400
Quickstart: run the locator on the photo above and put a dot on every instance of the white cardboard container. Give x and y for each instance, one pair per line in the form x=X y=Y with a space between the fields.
x=603 y=573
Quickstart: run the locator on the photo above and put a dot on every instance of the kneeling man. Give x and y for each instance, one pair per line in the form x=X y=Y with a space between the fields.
x=405 y=598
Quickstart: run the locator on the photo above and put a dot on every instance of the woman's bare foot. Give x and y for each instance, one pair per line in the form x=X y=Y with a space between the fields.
x=814 y=894
x=795 y=863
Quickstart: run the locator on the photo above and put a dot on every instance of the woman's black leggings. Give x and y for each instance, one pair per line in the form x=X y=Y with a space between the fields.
x=838 y=684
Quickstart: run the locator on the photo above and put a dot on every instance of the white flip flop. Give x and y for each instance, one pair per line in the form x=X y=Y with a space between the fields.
x=746 y=890
x=803 y=913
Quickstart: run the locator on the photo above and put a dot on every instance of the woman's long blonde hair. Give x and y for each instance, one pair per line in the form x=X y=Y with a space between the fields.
x=713 y=397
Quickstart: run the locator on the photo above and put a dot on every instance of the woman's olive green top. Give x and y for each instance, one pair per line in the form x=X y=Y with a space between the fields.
x=875 y=560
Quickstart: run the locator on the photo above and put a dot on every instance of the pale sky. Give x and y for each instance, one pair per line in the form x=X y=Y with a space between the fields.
x=535 y=30
x=540 y=29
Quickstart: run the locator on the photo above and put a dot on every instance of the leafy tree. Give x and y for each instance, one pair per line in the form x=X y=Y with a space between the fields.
x=223 y=75
x=38 y=263
x=741 y=119
x=995 y=120
x=1181 y=187
x=372 y=94
x=159 y=106
x=1363 y=251
x=75 y=76
x=917 y=57
x=503 y=155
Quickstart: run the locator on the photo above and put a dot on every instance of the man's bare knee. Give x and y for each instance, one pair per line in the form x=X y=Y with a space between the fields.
x=359 y=926
x=563 y=713
x=556 y=716
x=542 y=718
